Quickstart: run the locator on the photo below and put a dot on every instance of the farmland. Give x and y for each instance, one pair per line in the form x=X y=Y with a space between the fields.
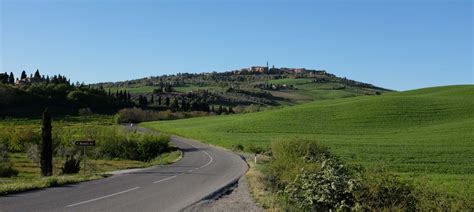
x=426 y=134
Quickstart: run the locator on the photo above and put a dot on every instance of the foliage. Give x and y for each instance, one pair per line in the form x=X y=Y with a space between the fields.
x=72 y=165
x=132 y=146
x=6 y=168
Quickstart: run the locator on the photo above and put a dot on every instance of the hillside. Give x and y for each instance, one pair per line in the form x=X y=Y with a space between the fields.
x=256 y=85
x=426 y=133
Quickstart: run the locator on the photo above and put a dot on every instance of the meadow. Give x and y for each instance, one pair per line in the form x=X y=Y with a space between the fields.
x=425 y=134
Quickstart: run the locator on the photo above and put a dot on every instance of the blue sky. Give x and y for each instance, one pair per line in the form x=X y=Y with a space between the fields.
x=395 y=44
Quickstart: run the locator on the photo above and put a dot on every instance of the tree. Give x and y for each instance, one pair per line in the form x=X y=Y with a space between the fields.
x=47 y=145
x=184 y=105
x=167 y=101
x=159 y=100
x=23 y=75
x=11 y=78
x=175 y=104
x=231 y=110
x=4 y=78
x=37 y=75
x=220 y=110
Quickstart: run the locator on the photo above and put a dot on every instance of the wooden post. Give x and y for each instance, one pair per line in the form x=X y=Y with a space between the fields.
x=85 y=158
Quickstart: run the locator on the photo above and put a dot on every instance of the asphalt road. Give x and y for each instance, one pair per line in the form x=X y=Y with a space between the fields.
x=202 y=171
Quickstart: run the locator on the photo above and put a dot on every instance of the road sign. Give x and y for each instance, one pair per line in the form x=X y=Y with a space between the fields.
x=85 y=143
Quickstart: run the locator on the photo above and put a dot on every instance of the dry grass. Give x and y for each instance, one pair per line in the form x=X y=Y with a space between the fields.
x=263 y=197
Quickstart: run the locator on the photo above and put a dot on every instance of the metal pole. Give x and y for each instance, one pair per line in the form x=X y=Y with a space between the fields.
x=85 y=157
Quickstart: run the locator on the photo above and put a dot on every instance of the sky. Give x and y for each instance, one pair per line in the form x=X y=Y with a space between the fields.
x=401 y=45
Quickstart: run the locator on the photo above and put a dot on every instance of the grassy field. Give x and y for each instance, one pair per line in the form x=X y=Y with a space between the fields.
x=306 y=90
x=424 y=134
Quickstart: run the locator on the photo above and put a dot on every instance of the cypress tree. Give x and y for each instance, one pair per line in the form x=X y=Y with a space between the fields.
x=184 y=107
x=47 y=145
x=11 y=78
x=175 y=104
x=167 y=101
x=159 y=100
x=23 y=75
x=37 y=75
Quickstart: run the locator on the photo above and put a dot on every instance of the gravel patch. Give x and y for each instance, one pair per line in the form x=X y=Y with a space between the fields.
x=237 y=198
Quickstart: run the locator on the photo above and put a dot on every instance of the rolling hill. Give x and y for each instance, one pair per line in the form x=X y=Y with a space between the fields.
x=425 y=134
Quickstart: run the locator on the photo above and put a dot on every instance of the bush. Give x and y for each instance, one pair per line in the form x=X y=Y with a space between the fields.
x=237 y=147
x=308 y=176
x=7 y=170
x=20 y=138
x=254 y=149
x=152 y=146
x=72 y=165
x=132 y=146
x=85 y=111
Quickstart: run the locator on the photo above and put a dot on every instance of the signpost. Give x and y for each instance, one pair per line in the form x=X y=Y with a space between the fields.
x=85 y=144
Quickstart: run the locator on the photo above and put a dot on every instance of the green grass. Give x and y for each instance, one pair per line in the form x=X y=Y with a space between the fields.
x=306 y=90
x=424 y=134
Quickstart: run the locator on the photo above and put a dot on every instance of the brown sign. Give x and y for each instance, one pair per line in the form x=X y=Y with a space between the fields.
x=85 y=143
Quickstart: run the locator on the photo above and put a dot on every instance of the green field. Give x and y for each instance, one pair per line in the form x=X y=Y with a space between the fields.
x=306 y=90
x=425 y=134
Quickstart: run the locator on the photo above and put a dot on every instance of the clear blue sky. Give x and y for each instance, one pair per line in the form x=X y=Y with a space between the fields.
x=401 y=44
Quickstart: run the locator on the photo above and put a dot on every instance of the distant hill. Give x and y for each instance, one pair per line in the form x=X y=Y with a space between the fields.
x=255 y=85
x=426 y=134
x=234 y=91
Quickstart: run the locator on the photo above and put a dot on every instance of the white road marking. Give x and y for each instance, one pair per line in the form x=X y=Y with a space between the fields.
x=99 y=198
x=211 y=159
x=168 y=178
x=205 y=152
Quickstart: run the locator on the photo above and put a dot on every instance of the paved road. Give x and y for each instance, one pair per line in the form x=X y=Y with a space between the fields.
x=202 y=171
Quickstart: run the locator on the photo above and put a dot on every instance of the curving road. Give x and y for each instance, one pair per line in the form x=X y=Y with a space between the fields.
x=202 y=171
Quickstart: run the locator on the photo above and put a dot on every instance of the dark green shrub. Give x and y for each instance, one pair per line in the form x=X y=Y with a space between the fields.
x=133 y=146
x=254 y=149
x=378 y=190
x=152 y=146
x=72 y=165
x=7 y=170
x=237 y=147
